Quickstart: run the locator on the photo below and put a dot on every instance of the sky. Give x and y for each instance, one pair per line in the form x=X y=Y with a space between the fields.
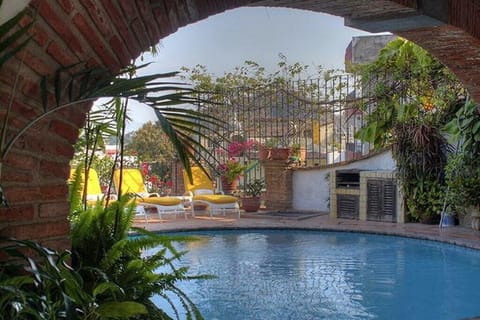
x=226 y=40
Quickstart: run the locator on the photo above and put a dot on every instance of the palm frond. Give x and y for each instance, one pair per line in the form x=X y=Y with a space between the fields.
x=8 y=39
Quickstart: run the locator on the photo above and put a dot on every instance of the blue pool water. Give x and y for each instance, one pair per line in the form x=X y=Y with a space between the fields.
x=330 y=275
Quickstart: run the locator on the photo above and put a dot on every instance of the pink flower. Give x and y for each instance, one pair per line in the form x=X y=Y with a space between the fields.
x=237 y=148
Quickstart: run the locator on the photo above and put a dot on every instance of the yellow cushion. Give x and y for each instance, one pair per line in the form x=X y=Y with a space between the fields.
x=93 y=184
x=163 y=201
x=132 y=181
x=216 y=198
x=200 y=180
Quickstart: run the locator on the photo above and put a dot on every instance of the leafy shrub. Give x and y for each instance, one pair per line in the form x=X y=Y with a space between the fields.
x=38 y=283
x=102 y=246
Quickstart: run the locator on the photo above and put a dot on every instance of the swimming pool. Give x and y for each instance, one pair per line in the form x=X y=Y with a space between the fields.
x=295 y=274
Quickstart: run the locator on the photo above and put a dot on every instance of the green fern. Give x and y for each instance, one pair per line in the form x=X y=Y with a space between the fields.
x=47 y=287
x=100 y=252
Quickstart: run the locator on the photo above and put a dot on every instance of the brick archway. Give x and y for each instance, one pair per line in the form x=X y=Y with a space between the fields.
x=111 y=32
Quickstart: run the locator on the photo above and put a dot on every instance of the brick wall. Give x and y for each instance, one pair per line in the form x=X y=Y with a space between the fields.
x=112 y=32
x=278 y=178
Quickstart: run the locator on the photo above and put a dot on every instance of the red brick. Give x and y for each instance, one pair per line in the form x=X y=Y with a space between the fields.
x=98 y=16
x=162 y=21
x=53 y=169
x=18 y=213
x=37 y=64
x=22 y=194
x=66 y=5
x=58 y=243
x=171 y=11
x=39 y=35
x=150 y=25
x=18 y=176
x=65 y=150
x=93 y=63
x=10 y=73
x=129 y=8
x=46 y=144
x=31 y=89
x=27 y=111
x=15 y=123
x=181 y=13
x=95 y=42
x=21 y=161
x=54 y=209
x=123 y=30
x=64 y=130
x=203 y=9
x=140 y=34
x=39 y=230
x=35 y=143
x=60 y=24
x=54 y=192
x=61 y=54
x=76 y=114
x=122 y=55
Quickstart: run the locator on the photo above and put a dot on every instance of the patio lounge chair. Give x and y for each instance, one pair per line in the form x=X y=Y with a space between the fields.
x=94 y=190
x=202 y=191
x=132 y=182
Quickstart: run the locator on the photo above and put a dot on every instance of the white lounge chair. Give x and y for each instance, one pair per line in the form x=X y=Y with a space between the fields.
x=132 y=182
x=201 y=190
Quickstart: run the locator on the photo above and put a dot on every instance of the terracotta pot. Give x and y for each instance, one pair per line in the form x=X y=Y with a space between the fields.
x=229 y=188
x=475 y=216
x=264 y=153
x=251 y=204
x=280 y=153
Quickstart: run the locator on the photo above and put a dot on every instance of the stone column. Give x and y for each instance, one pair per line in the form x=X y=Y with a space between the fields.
x=278 y=178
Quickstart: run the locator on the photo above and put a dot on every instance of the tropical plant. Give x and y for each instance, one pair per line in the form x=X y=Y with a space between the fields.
x=462 y=175
x=99 y=248
x=42 y=285
x=183 y=126
x=11 y=41
x=462 y=172
x=465 y=128
x=413 y=97
x=231 y=169
x=405 y=83
x=254 y=188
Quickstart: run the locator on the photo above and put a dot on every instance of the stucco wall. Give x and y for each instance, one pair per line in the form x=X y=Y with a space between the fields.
x=311 y=186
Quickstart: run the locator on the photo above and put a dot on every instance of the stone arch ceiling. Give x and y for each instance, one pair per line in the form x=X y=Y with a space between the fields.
x=112 y=32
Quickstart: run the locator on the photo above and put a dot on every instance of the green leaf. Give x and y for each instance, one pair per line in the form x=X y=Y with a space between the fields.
x=476 y=126
x=106 y=287
x=121 y=310
x=7 y=46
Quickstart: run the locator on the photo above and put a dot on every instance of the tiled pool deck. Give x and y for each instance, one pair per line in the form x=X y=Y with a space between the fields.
x=313 y=221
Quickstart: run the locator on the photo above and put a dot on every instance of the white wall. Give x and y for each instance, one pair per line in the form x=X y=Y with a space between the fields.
x=311 y=187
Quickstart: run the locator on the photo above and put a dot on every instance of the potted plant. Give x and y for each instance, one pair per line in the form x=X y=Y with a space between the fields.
x=275 y=149
x=230 y=171
x=462 y=172
x=298 y=153
x=462 y=175
x=251 y=198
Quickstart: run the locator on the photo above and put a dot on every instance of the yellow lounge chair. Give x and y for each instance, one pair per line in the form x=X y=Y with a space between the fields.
x=94 y=190
x=132 y=182
x=202 y=191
